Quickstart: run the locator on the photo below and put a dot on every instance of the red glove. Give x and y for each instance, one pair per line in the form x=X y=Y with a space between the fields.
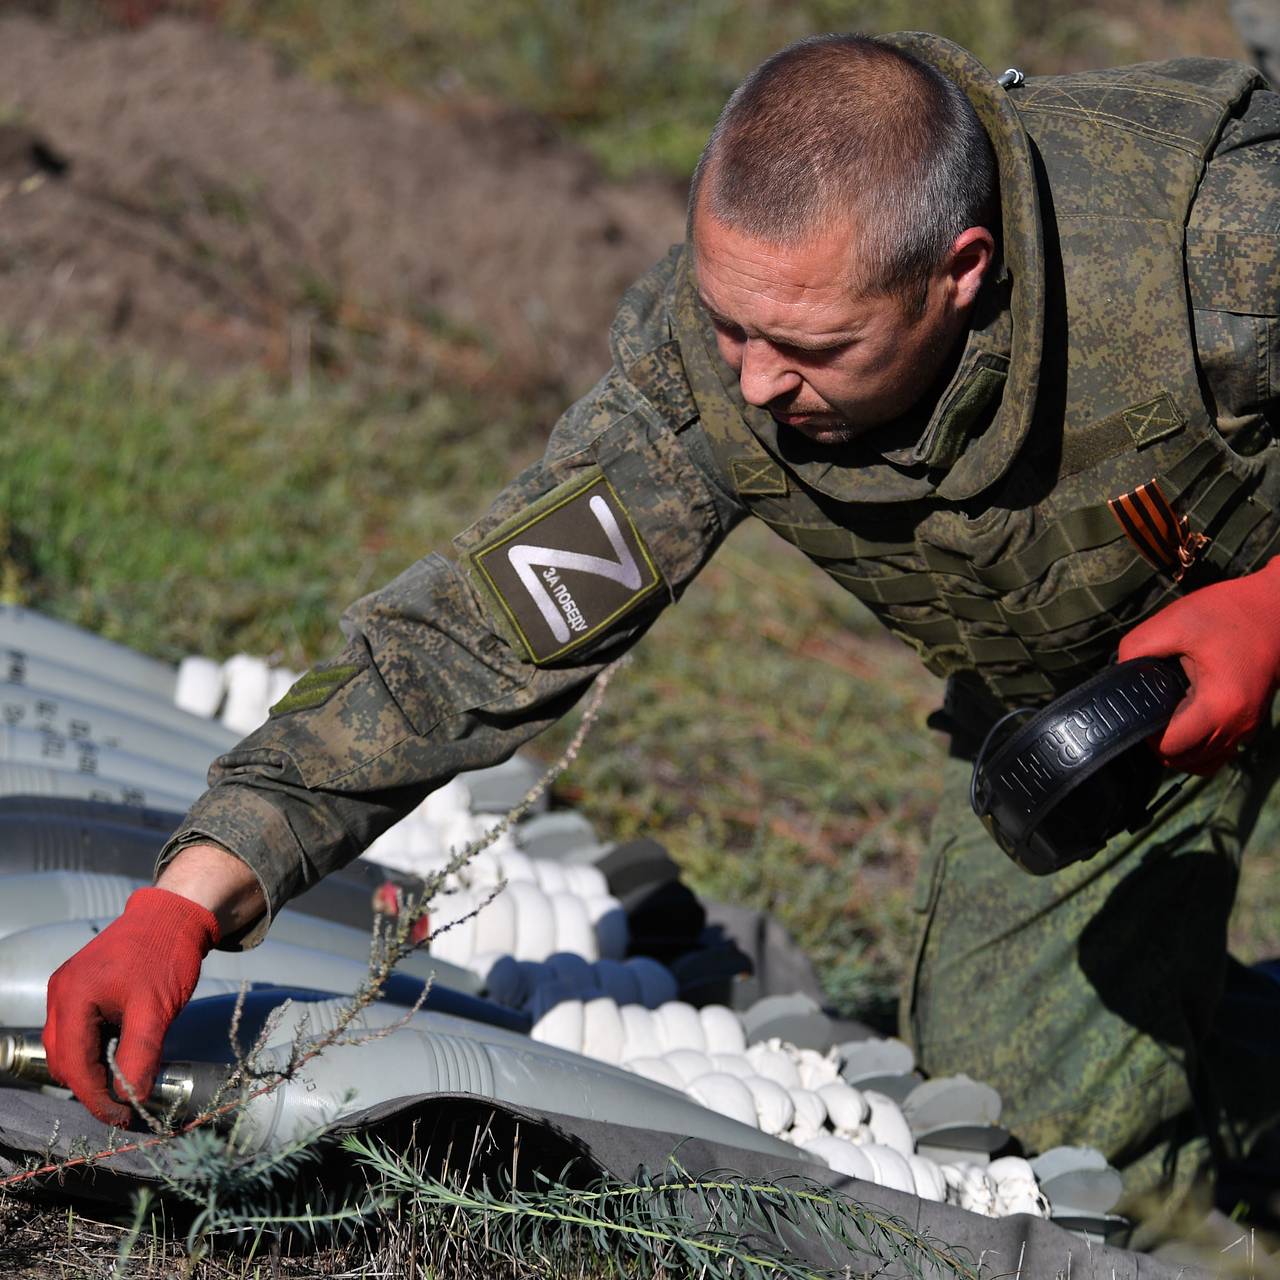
x=1228 y=637
x=135 y=975
x=387 y=900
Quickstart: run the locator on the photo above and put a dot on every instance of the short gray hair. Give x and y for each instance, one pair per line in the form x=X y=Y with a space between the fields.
x=847 y=128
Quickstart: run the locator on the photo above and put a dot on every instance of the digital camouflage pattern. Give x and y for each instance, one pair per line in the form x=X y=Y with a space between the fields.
x=987 y=542
x=1092 y=998
x=434 y=679
x=978 y=530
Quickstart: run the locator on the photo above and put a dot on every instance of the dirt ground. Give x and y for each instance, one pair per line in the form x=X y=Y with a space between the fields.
x=173 y=190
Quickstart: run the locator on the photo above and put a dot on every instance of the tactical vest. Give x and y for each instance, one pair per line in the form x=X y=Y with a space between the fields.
x=992 y=549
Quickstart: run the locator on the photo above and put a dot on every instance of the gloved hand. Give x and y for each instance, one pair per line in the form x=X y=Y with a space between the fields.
x=1228 y=637
x=136 y=975
x=387 y=900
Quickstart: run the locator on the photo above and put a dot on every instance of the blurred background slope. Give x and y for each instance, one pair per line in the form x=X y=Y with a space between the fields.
x=289 y=287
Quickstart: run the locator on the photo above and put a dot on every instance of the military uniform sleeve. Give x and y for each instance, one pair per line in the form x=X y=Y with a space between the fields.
x=1233 y=273
x=464 y=657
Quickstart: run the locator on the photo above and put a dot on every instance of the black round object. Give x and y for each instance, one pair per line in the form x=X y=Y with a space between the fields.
x=1074 y=774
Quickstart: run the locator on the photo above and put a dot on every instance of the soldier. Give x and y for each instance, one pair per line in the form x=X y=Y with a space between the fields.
x=929 y=327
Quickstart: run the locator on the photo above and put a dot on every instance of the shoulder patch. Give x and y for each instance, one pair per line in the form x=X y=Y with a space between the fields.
x=758 y=477
x=1153 y=420
x=567 y=568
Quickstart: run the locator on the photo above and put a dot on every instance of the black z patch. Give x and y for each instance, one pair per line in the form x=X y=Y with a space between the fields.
x=569 y=569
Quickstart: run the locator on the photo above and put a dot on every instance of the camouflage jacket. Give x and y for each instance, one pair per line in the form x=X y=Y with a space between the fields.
x=462 y=658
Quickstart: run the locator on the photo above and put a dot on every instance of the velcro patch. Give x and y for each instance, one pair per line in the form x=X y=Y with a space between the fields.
x=570 y=570
x=1152 y=420
x=315 y=688
x=758 y=478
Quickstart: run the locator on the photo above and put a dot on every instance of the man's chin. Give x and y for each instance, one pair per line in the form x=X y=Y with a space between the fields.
x=820 y=429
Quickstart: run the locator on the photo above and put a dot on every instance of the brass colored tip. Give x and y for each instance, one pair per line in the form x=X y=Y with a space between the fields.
x=22 y=1056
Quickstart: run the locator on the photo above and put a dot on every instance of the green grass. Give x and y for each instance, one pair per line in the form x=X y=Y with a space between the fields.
x=640 y=83
x=178 y=516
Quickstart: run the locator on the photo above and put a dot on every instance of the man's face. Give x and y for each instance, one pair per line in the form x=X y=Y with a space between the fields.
x=822 y=356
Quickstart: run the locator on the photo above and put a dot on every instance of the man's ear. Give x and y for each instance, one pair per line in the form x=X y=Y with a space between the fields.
x=971 y=255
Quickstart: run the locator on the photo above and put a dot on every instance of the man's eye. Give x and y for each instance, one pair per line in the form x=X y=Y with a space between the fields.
x=817 y=354
x=729 y=330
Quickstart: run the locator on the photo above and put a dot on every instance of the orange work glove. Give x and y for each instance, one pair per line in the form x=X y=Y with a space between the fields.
x=1228 y=637
x=135 y=975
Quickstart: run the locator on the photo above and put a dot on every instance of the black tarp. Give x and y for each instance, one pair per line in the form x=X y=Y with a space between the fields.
x=43 y=1126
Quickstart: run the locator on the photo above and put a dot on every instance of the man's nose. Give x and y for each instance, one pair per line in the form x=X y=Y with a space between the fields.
x=765 y=374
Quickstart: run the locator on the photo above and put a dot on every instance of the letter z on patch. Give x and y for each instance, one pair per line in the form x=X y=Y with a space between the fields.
x=569 y=569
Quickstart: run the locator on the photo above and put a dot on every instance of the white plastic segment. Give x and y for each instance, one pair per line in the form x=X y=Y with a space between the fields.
x=810 y=1113
x=27 y=959
x=602 y=1033
x=78 y=728
x=722 y=1029
x=201 y=685
x=775 y=1111
x=689 y=1064
x=841 y=1156
x=451 y=1055
x=92 y=760
x=862 y=1133
x=931 y=1182
x=562 y=1026
x=495 y=925
x=725 y=1094
x=453 y=927
x=773 y=1064
x=550 y=877
x=891 y=1167
x=40 y=673
x=240 y=691
x=38 y=780
x=523 y=921
x=574 y=931
x=248 y=681
x=1016 y=1188
x=815 y=1069
x=969 y=1187
x=23 y=631
x=31 y=899
x=639 y=1033
x=658 y=1070
x=888 y=1125
x=846 y=1106
x=679 y=1026
x=736 y=1064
